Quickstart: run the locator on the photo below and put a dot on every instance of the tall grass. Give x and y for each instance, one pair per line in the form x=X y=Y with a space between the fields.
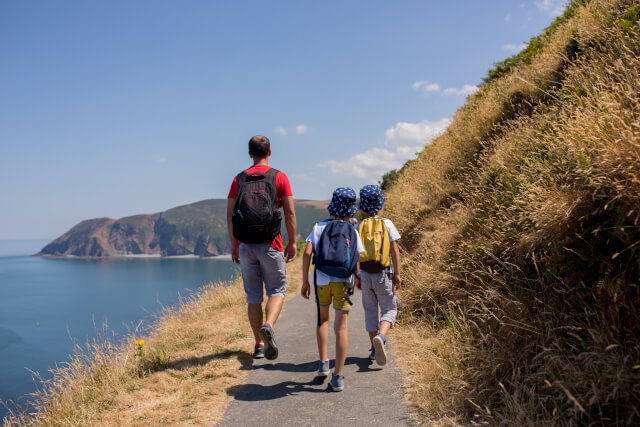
x=521 y=237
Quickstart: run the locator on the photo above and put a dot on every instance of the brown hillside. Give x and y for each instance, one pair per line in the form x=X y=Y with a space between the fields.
x=521 y=236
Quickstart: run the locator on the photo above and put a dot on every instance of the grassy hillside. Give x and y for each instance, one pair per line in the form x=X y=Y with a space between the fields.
x=521 y=236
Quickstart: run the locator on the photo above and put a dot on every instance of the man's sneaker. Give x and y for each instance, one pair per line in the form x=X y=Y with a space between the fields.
x=258 y=351
x=323 y=368
x=337 y=382
x=372 y=353
x=269 y=338
x=378 y=346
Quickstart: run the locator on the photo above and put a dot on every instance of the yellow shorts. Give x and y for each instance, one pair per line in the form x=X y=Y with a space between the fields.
x=336 y=291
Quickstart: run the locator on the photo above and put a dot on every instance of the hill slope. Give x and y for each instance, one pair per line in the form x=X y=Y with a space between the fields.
x=521 y=235
x=196 y=229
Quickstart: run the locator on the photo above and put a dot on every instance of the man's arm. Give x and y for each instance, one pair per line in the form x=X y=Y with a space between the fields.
x=290 y=223
x=395 y=259
x=305 y=291
x=234 y=242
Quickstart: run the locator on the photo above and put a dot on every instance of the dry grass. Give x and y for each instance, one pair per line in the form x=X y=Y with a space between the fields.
x=521 y=238
x=183 y=375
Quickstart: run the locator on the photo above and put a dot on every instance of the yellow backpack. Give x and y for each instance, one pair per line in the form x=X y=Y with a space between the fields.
x=375 y=239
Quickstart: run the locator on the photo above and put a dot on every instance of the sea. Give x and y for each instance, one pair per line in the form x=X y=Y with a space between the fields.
x=49 y=306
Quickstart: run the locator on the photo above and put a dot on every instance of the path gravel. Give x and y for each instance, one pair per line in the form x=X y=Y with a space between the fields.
x=286 y=391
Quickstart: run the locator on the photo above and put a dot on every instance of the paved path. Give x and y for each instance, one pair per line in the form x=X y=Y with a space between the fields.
x=286 y=392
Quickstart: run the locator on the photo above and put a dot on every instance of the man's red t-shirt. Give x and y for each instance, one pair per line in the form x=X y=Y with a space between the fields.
x=283 y=189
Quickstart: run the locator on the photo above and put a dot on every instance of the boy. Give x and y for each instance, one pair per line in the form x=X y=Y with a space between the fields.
x=378 y=276
x=342 y=207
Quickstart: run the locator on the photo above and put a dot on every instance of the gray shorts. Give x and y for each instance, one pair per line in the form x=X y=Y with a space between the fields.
x=377 y=290
x=260 y=263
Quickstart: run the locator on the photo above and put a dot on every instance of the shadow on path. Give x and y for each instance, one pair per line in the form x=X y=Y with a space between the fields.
x=364 y=365
x=244 y=358
x=258 y=392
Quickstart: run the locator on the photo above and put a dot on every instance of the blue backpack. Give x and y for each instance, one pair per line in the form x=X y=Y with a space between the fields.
x=336 y=254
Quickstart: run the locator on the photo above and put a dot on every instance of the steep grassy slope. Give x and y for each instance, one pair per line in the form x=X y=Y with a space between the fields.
x=195 y=229
x=521 y=236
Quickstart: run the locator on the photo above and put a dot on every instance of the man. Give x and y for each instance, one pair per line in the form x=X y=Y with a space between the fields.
x=253 y=221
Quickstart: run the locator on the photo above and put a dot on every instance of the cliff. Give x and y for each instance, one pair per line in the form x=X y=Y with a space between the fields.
x=195 y=229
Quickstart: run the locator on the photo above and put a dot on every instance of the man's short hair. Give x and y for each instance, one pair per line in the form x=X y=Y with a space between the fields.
x=259 y=146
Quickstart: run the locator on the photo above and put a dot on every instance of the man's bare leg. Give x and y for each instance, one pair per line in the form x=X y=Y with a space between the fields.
x=274 y=307
x=255 y=320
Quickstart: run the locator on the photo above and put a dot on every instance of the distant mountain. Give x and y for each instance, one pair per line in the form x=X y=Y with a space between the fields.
x=196 y=229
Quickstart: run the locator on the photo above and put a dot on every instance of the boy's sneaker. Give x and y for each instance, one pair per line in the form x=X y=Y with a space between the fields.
x=323 y=368
x=337 y=382
x=258 y=351
x=378 y=347
x=372 y=353
x=269 y=338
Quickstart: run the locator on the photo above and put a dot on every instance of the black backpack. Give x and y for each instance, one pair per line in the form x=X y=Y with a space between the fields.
x=256 y=217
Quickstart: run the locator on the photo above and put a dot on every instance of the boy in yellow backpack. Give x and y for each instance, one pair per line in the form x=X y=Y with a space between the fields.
x=379 y=270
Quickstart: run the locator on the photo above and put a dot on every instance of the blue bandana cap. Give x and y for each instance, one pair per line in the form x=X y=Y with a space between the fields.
x=371 y=198
x=343 y=203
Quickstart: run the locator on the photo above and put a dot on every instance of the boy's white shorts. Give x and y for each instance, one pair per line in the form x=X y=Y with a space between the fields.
x=377 y=290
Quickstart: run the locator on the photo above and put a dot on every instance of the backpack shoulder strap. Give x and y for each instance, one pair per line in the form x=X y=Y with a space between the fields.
x=272 y=172
x=270 y=176
x=242 y=178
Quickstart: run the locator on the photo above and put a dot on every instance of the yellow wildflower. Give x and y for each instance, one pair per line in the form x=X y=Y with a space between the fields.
x=139 y=344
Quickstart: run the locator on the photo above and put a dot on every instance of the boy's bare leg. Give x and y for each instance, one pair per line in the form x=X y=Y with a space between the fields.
x=255 y=320
x=384 y=327
x=342 y=339
x=322 y=333
x=274 y=306
x=384 y=330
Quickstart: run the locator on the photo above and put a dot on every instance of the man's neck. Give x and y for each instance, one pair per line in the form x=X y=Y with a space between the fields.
x=264 y=162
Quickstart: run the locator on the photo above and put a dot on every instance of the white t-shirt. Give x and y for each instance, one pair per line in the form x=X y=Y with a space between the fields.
x=314 y=237
x=391 y=229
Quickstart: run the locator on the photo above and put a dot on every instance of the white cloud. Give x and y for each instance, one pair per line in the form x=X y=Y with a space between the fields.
x=402 y=143
x=161 y=158
x=514 y=47
x=281 y=131
x=414 y=134
x=551 y=7
x=507 y=18
x=425 y=87
x=300 y=129
x=464 y=90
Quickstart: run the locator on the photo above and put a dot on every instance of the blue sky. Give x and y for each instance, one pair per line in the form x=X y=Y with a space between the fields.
x=124 y=107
